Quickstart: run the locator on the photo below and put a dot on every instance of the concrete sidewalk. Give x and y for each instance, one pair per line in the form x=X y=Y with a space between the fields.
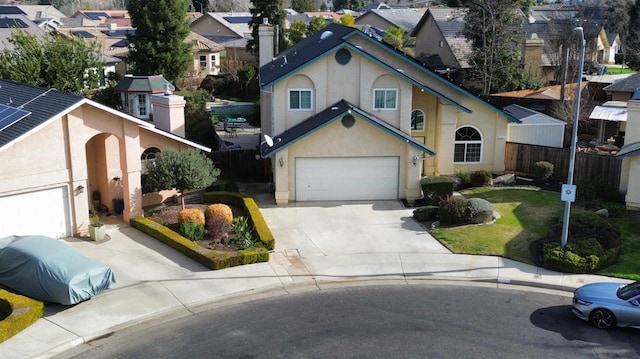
x=318 y=246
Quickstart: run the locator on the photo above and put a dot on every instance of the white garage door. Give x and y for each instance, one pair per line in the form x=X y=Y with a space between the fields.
x=43 y=212
x=346 y=178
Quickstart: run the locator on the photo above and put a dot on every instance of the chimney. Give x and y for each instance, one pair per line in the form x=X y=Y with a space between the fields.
x=168 y=113
x=265 y=36
x=632 y=127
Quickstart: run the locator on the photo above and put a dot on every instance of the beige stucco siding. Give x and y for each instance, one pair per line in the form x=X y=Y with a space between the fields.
x=334 y=140
x=38 y=161
x=209 y=26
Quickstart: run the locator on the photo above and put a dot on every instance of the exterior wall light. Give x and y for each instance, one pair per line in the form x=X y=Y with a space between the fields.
x=415 y=160
x=281 y=161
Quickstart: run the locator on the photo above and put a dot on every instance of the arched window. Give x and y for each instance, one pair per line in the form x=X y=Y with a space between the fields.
x=417 y=120
x=147 y=159
x=468 y=146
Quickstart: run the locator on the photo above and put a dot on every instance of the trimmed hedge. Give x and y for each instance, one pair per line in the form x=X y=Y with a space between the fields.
x=20 y=313
x=435 y=188
x=215 y=259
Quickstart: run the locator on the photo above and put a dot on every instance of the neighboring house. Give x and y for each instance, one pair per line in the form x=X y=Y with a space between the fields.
x=33 y=12
x=350 y=118
x=535 y=128
x=612 y=115
x=382 y=19
x=540 y=100
x=630 y=156
x=440 y=43
x=69 y=146
x=136 y=92
x=230 y=30
x=624 y=89
x=11 y=23
x=114 y=44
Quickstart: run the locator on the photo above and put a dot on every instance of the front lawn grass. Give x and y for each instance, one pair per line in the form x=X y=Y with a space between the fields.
x=527 y=214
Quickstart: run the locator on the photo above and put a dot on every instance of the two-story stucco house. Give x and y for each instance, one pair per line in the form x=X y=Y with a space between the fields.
x=350 y=118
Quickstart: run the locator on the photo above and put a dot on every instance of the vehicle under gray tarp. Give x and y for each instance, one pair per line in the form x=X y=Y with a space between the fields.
x=51 y=270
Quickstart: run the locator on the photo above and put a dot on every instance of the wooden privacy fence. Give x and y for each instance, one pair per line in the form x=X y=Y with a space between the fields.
x=521 y=158
x=241 y=165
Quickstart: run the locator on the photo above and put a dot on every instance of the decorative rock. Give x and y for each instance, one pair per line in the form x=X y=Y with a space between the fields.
x=603 y=212
x=435 y=225
x=506 y=179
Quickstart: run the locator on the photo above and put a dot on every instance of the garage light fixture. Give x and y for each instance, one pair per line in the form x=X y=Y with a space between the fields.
x=281 y=161
x=415 y=160
x=80 y=189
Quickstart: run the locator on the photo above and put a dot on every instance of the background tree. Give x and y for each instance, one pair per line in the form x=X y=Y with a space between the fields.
x=272 y=10
x=158 y=45
x=349 y=4
x=495 y=31
x=632 y=43
x=67 y=64
x=201 y=6
x=316 y=24
x=183 y=171
x=347 y=20
x=302 y=5
x=296 y=31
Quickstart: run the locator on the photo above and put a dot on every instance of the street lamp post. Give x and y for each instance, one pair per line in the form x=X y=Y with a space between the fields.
x=568 y=194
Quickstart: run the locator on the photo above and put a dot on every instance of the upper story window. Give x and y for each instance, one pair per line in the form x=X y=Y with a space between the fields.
x=203 y=61
x=142 y=105
x=417 y=120
x=385 y=99
x=213 y=61
x=468 y=146
x=300 y=99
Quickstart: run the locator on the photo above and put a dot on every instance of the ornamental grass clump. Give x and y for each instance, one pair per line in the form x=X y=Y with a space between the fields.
x=191 y=221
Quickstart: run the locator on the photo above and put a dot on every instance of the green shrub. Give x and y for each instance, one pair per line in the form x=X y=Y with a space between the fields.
x=593 y=190
x=480 y=178
x=453 y=210
x=425 y=213
x=243 y=232
x=543 y=170
x=586 y=247
x=464 y=174
x=479 y=210
x=192 y=231
x=18 y=313
x=564 y=260
x=435 y=188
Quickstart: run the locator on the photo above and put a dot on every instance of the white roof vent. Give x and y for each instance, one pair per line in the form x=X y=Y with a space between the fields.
x=326 y=34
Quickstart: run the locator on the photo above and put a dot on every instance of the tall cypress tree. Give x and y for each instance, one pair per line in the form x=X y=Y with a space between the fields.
x=158 y=45
x=273 y=10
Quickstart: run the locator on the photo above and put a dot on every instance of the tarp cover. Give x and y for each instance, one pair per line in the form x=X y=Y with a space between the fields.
x=51 y=270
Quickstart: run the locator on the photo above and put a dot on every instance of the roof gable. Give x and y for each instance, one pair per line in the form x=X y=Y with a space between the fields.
x=333 y=113
x=46 y=105
x=334 y=37
x=628 y=84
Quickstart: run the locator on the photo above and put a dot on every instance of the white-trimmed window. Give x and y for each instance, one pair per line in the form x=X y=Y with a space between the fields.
x=300 y=100
x=147 y=159
x=385 y=99
x=468 y=145
x=203 y=61
x=417 y=120
x=142 y=106
x=213 y=61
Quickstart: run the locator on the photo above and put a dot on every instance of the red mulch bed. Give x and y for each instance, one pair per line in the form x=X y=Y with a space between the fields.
x=167 y=215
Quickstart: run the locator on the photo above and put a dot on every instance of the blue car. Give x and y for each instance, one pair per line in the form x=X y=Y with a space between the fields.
x=606 y=304
x=51 y=270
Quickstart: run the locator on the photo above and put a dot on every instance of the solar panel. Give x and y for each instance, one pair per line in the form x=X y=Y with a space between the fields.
x=85 y=34
x=6 y=23
x=118 y=33
x=121 y=43
x=10 y=115
x=237 y=19
x=11 y=10
x=96 y=15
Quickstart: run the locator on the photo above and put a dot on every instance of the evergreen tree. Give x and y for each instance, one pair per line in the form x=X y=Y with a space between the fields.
x=158 y=46
x=632 y=43
x=273 y=10
x=302 y=5
x=67 y=64
x=494 y=29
